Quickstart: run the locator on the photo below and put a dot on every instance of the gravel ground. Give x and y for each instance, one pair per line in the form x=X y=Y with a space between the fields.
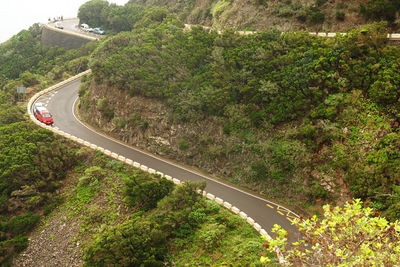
x=53 y=244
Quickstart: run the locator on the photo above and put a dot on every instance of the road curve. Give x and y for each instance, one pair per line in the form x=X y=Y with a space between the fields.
x=60 y=103
x=71 y=26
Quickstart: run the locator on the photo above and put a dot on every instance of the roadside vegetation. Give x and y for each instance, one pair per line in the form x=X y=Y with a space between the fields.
x=33 y=161
x=150 y=221
x=46 y=179
x=353 y=235
x=299 y=118
x=250 y=15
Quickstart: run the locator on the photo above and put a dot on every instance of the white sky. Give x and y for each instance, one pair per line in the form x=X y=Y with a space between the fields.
x=16 y=15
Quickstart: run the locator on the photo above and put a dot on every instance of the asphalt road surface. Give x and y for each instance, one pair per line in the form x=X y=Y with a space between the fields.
x=61 y=104
x=72 y=25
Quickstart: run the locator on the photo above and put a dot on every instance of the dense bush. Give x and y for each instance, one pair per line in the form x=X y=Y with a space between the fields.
x=135 y=243
x=380 y=9
x=143 y=240
x=182 y=221
x=20 y=224
x=143 y=192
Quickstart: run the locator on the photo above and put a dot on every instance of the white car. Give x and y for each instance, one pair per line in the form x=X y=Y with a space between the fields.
x=59 y=25
x=86 y=28
x=36 y=106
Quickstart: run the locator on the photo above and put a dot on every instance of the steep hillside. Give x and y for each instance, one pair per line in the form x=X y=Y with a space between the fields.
x=288 y=15
x=302 y=119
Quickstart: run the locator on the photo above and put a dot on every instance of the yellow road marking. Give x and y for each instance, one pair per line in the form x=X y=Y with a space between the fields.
x=288 y=212
x=291 y=216
x=281 y=213
x=290 y=220
x=270 y=206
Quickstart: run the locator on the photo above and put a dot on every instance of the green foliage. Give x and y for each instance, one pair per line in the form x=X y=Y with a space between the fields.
x=340 y=15
x=95 y=214
x=346 y=236
x=142 y=240
x=28 y=78
x=219 y=7
x=33 y=161
x=9 y=115
x=316 y=192
x=40 y=161
x=211 y=236
x=315 y=16
x=198 y=231
x=305 y=88
x=104 y=107
x=183 y=144
x=144 y=193
x=20 y=224
x=93 y=175
x=134 y=243
x=11 y=247
x=380 y=9
x=29 y=172
x=94 y=13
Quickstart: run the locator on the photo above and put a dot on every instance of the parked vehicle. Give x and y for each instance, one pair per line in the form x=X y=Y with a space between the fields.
x=36 y=105
x=86 y=28
x=98 y=31
x=59 y=25
x=43 y=115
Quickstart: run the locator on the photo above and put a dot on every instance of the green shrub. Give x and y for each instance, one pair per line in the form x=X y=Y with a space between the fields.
x=11 y=247
x=315 y=16
x=20 y=224
x=95 y=214
x=146 y=194
x=197 y=217
x=28 y=79
x=340 y=15
x=210 y=237
x=184 y=230
x=106 y=110
x=316 y=191
x=92 y=175
x=183 y=144
x=115 y=165
x=133 y=243
x=380 y=9
x=219 y=7
x=260 y=169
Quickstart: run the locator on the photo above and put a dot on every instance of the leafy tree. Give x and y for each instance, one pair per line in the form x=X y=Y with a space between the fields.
x=350 y=236
x=94 y=13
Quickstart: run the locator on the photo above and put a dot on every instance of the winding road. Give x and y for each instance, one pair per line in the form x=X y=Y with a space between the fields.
x=61 y=103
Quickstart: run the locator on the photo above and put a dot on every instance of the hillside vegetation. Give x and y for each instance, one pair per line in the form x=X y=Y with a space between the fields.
x=256 y=15
x=33 y=162
x=295 y=117
x=59 y=202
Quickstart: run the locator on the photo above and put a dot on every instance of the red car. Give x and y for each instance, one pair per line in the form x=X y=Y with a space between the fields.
x=43 y=115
